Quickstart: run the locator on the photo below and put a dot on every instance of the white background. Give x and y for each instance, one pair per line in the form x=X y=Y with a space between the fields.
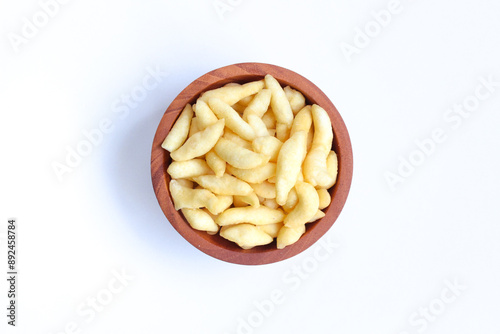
x=396 y=251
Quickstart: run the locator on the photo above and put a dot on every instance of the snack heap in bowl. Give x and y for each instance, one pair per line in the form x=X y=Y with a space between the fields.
x=252 y=162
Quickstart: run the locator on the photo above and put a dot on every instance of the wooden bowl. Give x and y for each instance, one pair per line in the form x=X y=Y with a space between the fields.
x=215 y=245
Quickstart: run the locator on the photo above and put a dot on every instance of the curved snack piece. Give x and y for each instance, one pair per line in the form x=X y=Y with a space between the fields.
x=279 y=103
x=306 y=208
x=254 y=175
x=324 y=198
x=238 y=156
x=269 y=145
x=271 y=229
x=269 y=120
x=288 y=236
x=256 y=216
x=251 y=199
x=192 y=198
x=259 y=104
x=332 y=165
x=200 y=220
x=302 y=121
x=295 y=98
x=291 y=201
x=179 y=132
x=204 y=115
x=270 y=203
x=231 y=136
x=246 y=235
x=320 y=214
x=216 y=164
x=315 y=166
x=231 y=94
x=189 y=168
x=290 y=160
x=233 y=119
x=282 y=131
x=224 y=185
x=265 y=189
x=200 y=143
x=221 y=204
x=258 y=126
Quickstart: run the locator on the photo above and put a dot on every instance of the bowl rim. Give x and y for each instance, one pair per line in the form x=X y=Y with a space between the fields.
x=213 y=245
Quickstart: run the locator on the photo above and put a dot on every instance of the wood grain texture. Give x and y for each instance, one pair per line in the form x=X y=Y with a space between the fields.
x=215 y=245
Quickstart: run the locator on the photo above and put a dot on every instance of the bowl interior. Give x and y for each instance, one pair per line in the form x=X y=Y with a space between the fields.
x=215 y=245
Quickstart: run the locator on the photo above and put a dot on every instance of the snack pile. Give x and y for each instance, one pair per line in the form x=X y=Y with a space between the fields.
x=252 y=162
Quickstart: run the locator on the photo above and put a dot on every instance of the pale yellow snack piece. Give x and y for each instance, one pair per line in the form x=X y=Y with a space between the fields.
x=200 y=143
x=291 y=201
x=289 y=163
x=259 y=105
x=254 y=175
x=302 y=121
x=264 y=189
x=332 y=165
x=270 y=203
x=180 y=130
x=271 y=229
x=185 y=197
x=194 y=128
x=230 y=135
x=231 y=94
x=200 y=220
x=188 y=168
x=324 y=198
x=323 y=132
x=279 y=102
x=246 y=100
x=186 y=183
x=251 y=200
x=320 y=214
x=306 y=208
x=272 y=180
x=315 y=166
x=258 y=126
x=222 y=204
x=269 y=119
x=269 y=146
x=288 y=236
x=295 y=98
x=204 y=115
x=224 y=185
x=282 y=131
x=233 y=119
x=256 y=216
x=246 y=235
x=238 y=156
x=215 y=163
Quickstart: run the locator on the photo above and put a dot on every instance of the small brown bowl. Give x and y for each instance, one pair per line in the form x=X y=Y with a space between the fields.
x=215 y=245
